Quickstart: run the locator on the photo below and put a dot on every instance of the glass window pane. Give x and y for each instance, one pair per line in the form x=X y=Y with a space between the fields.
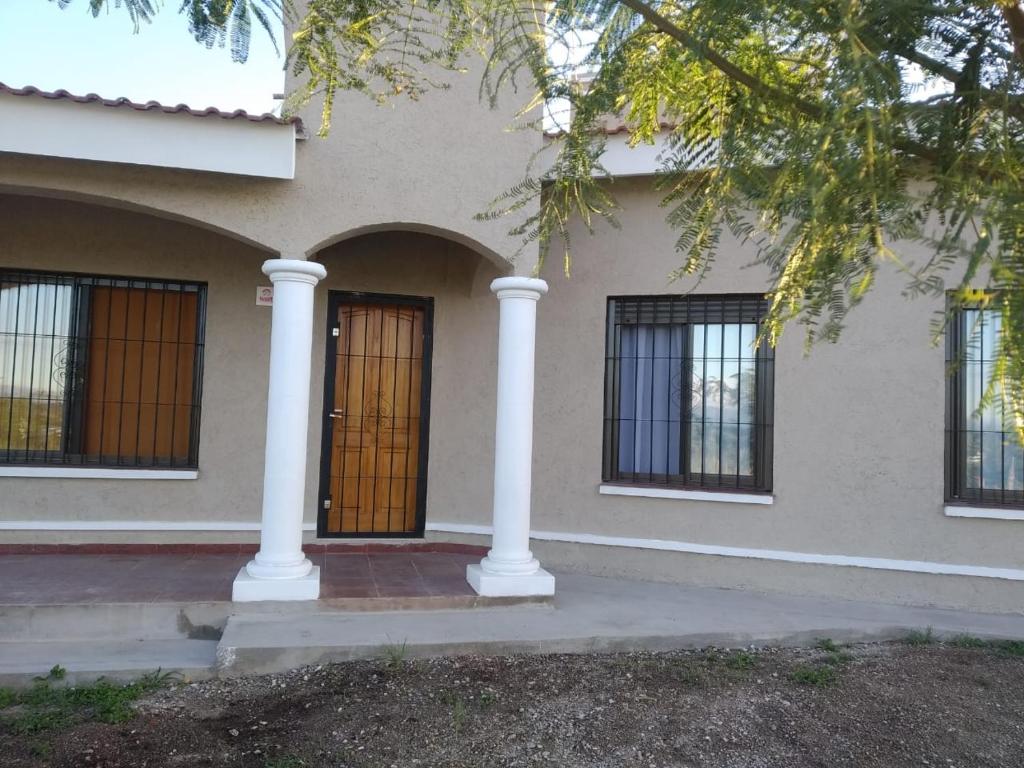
x=990 y=450
x=746 y=446
x=723 y=398
x=1013 y=464
x=681 y=392
x=35 y=328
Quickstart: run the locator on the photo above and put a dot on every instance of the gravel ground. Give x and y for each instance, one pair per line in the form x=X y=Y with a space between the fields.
x=867 y=705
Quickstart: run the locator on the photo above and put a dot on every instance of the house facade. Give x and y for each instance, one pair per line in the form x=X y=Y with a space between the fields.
x=215 y=329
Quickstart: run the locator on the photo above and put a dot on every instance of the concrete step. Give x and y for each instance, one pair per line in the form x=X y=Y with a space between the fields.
x=112 y=621
x=21 y=663
x=198 y=620
x=589 y=614
x=258 y=643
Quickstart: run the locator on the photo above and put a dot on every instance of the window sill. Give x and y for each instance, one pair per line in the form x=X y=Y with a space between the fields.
x=99 y=473
x=686 y=495
x=985 y=513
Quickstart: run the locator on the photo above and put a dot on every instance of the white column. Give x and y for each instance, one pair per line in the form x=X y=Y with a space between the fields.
x=510 y=569
x=280 y=570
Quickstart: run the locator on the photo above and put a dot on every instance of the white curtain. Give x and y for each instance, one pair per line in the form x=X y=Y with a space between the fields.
x=650 y=401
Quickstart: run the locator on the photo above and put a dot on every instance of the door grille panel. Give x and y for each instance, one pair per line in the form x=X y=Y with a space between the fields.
x=376 y=420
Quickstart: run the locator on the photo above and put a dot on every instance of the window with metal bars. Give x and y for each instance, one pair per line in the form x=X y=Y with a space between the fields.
x=688 y=393
x=984 y=458
x=100 y=371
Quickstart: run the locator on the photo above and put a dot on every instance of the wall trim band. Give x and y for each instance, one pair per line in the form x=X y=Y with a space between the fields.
x=850 y=561
x=984 y=513
x=99 y=473
x=132 y=525
x=606 y=489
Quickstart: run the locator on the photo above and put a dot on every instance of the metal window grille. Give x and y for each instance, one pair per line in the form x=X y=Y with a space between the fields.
x=100 y=371
x=688 y=393
x=984 y=459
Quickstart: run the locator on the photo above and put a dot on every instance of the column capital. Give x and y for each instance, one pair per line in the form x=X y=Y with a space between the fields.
x=294 y=270
x=519 y=288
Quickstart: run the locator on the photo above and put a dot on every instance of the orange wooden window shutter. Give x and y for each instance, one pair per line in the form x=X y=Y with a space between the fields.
x=141 y=360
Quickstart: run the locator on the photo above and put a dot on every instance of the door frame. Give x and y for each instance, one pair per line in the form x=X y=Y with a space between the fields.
x=335 y=300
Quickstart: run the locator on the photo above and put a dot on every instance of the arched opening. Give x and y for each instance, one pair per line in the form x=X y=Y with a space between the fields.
x=324 y=248
x=9 y=191
x=408 y=326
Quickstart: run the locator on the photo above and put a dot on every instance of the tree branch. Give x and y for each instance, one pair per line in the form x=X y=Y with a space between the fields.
x=1013 y=14
x=721 y=63
x=1012 y=104
x=730 y=70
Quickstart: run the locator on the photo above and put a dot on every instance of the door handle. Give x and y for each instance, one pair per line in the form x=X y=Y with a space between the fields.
x=336 y=414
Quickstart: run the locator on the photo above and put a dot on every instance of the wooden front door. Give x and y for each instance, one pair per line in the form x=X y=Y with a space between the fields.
x=376 y=407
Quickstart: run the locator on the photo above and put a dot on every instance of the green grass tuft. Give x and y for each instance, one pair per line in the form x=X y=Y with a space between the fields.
x=1009 y=647
x=44 y=707
x=741 y=661
x=458 y=705
x=821 y=676
x=920 y=637
x=7 y=698
x=394 y=655
x=1006 y=647
x=838 y=659
x=968 y=641
x=284 y=761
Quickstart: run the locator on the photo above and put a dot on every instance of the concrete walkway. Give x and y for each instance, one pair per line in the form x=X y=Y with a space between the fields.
x=588 y=614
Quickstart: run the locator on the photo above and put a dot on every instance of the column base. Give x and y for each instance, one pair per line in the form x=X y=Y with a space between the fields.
x=540 y=583
x=248 y=589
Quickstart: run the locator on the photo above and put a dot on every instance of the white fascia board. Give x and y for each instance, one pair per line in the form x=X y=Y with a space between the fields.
x=620 y=159
x=58 y=128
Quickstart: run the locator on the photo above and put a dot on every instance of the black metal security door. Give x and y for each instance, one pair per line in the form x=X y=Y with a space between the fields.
x=376 y=412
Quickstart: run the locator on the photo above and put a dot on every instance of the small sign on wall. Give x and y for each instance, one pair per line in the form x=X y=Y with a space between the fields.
x=264 y=296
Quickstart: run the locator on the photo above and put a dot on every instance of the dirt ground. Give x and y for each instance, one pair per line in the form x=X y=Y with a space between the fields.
x=868 y=705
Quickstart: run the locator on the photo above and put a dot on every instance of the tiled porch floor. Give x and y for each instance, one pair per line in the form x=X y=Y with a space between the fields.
x=36 y=579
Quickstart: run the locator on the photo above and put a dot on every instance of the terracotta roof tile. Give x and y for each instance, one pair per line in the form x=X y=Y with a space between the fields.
x=149 y=106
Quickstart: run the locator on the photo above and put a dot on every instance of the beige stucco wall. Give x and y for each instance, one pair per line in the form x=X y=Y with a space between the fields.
x=430 y=165
x=858 y=438
x=56 y=235
x=858 y=461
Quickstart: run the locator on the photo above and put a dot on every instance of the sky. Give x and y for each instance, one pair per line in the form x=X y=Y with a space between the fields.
x=50 y=48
